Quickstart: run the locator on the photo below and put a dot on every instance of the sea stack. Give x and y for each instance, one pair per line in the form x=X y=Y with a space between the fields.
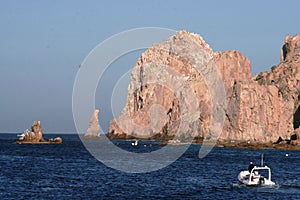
x=94 y=128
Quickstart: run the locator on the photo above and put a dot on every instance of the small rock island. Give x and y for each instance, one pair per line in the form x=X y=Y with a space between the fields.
x=93 y=130
x=35 y=136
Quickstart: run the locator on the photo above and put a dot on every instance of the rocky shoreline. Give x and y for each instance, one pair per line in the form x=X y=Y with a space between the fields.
x=41 y=142
x=267 y=145
x=281 y=145
x=90 y=137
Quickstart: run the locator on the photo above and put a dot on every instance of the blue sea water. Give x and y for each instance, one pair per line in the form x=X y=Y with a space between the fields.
x=68 y=171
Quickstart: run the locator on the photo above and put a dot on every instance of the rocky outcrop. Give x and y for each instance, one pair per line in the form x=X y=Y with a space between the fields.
x=164 y=88
x=168 y=82
x=290 y=48
x=282 y=112
x=254 y=113
x=94 y=128
x=233 y=66
x=55 y=140
x=266 y=107
x=35 y=136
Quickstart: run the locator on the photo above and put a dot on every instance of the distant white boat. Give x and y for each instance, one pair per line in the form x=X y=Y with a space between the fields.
x=22 y=136
x=134 y=143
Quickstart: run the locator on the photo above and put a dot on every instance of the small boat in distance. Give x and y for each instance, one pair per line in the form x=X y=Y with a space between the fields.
x=134 y=143
x=22 y=136
x=258 y=176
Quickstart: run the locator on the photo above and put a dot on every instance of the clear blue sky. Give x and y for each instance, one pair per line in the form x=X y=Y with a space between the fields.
x=42 y=44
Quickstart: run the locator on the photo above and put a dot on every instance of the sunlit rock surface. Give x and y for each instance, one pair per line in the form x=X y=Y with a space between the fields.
x=258 y=109
x=93 y=130
x=35 y=136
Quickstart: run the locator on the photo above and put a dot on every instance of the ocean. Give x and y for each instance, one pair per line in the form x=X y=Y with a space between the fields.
x=69 y=171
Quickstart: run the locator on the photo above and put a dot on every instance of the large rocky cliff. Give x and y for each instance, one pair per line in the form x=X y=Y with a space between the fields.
x=168 y=88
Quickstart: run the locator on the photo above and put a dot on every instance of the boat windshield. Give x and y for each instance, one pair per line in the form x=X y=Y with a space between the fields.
x=261 y=172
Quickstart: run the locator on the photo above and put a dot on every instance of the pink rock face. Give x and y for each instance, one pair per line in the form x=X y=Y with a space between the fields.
x=261 y=108
x=255 y=112
x=234 y=67
x=156 y=92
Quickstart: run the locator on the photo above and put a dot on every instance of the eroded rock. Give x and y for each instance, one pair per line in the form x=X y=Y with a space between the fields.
x=35 y=136
x=94 y=128
x=258 y=109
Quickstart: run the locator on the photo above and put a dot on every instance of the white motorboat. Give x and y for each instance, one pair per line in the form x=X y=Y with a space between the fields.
x=22 y=136
x=134 y=143
x=259 y=176
x=256 y=176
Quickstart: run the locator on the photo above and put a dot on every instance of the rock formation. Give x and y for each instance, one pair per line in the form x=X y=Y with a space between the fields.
x=35 y=136
x=94 y=128
x=259 y=109
x=164 y=88
x=55 y=140
x=290 y=48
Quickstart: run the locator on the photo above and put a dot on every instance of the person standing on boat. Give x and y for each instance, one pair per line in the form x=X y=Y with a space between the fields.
x=251 y=166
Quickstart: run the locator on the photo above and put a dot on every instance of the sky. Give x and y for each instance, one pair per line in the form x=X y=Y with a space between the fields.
x=42 y=44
